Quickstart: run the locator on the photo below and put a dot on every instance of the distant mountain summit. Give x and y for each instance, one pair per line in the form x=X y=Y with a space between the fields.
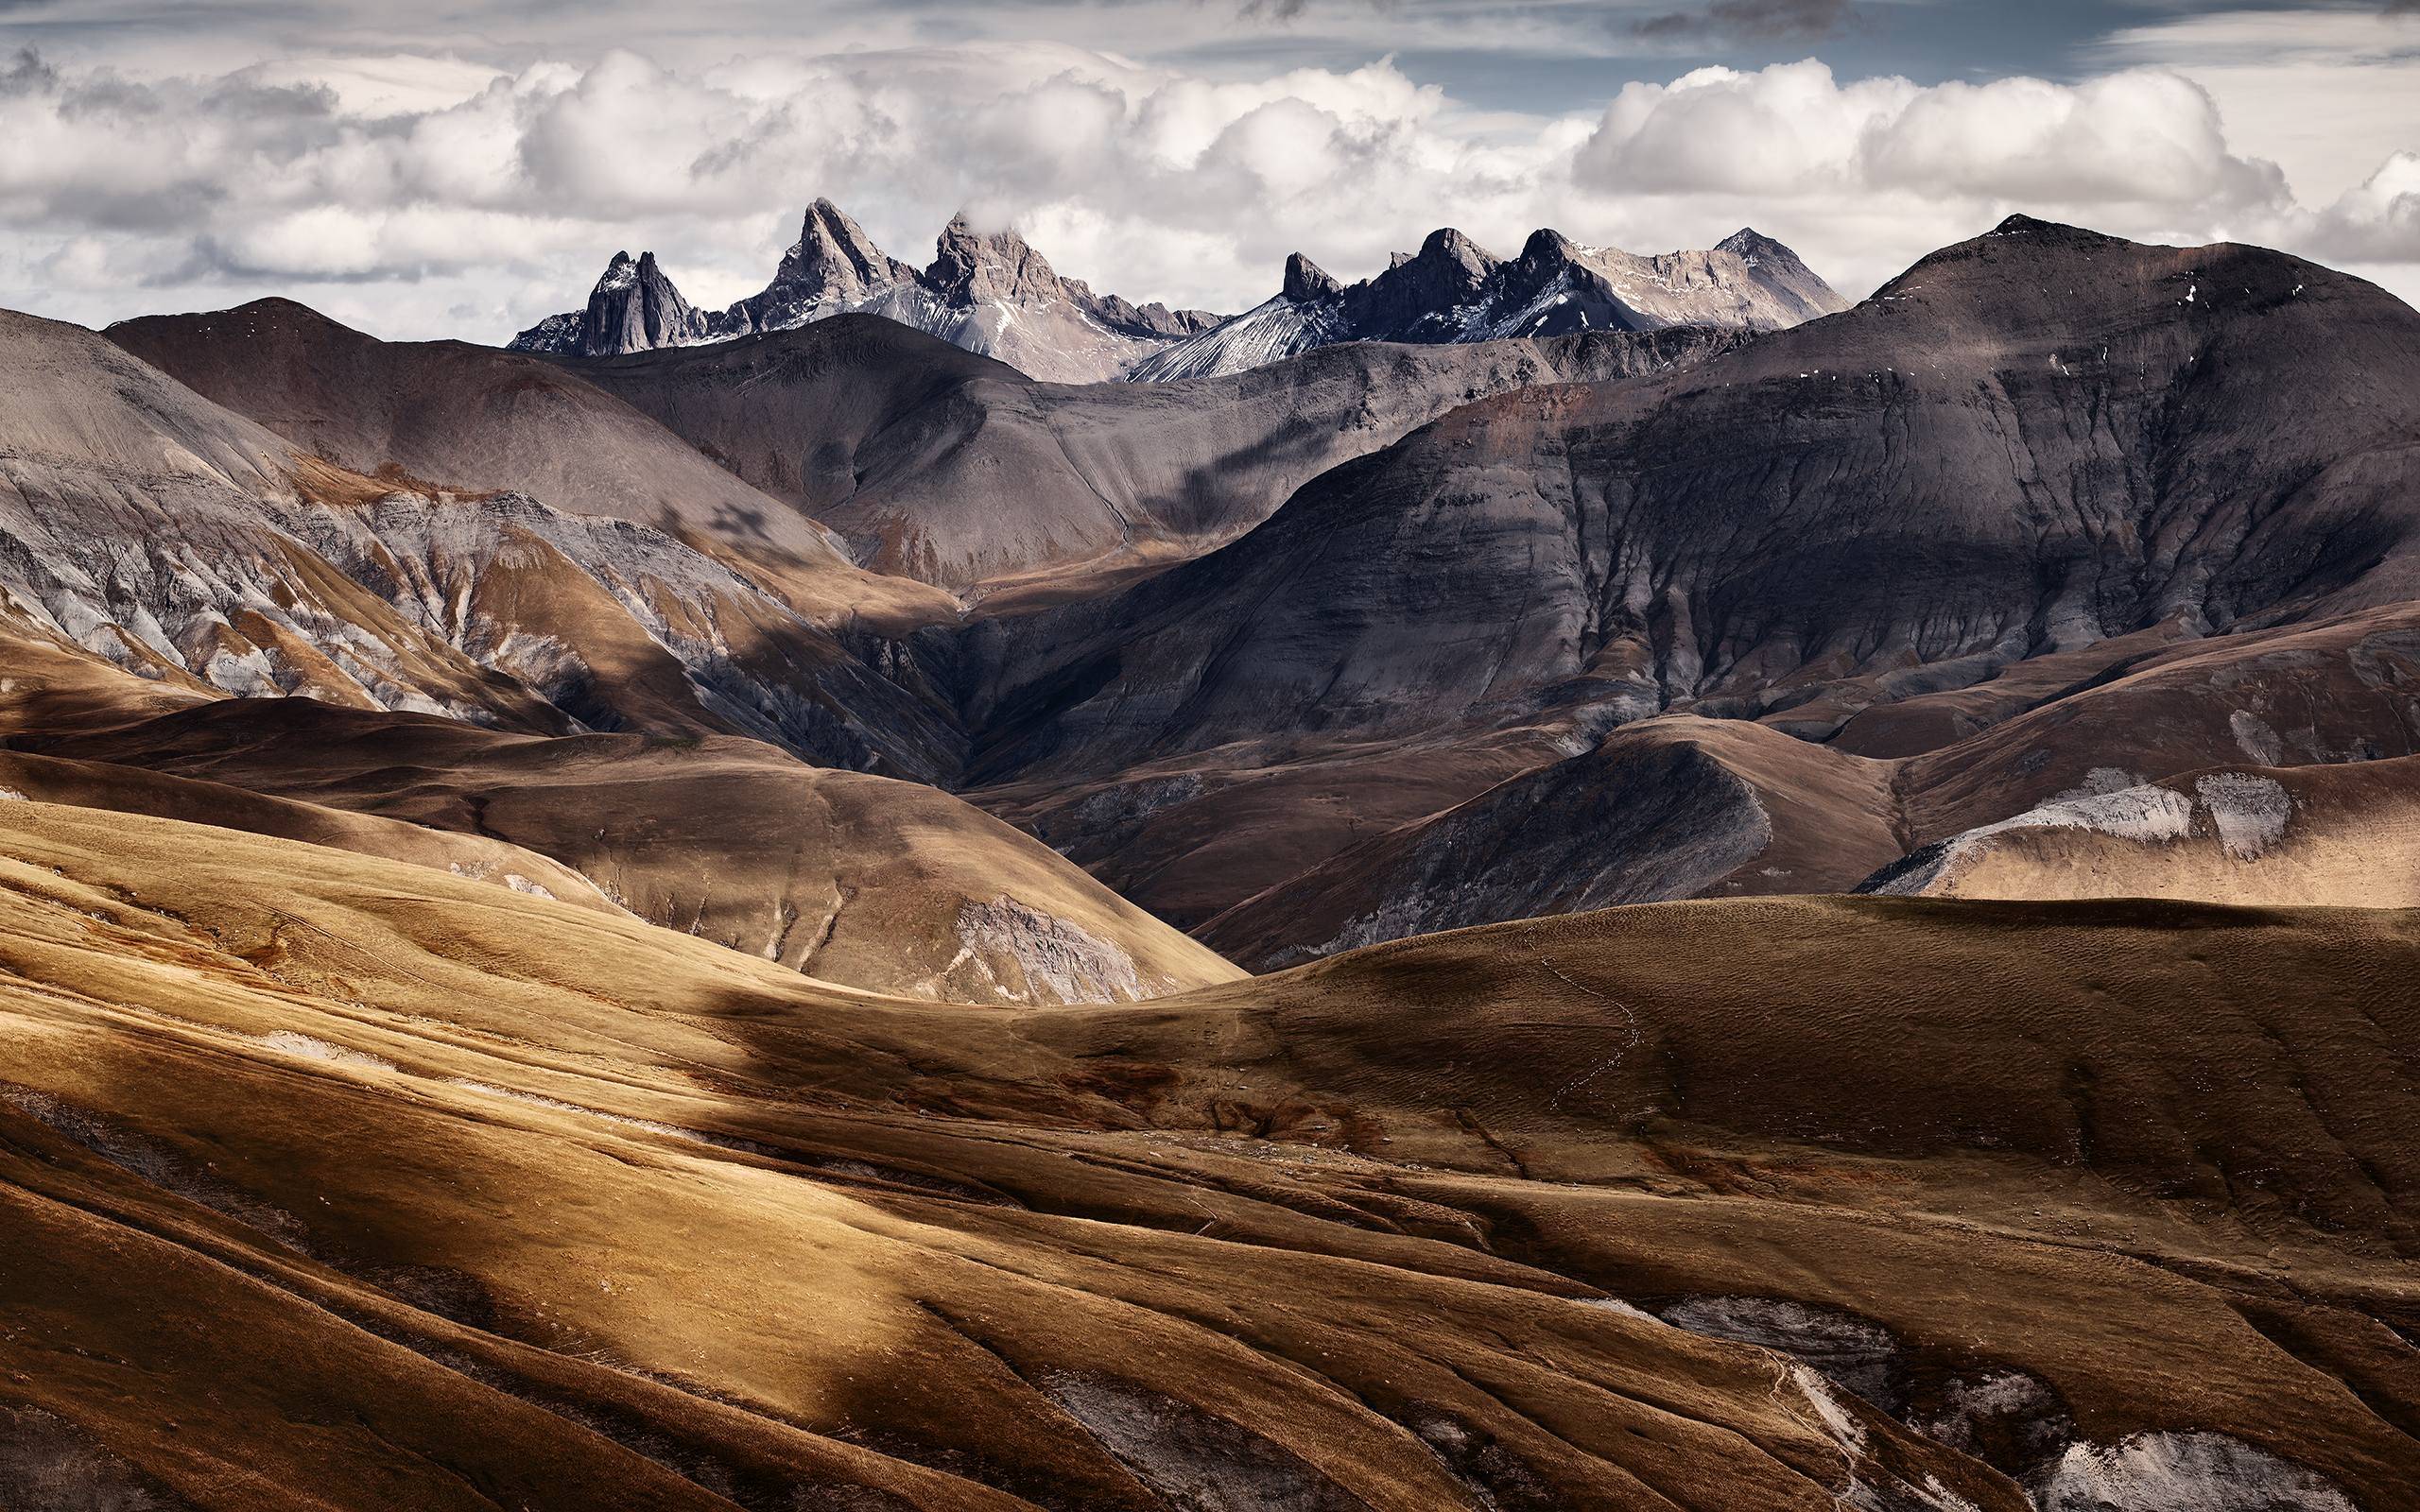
x=833 y=266
x=1455 y=290
x=990 y=293
x=993 y=294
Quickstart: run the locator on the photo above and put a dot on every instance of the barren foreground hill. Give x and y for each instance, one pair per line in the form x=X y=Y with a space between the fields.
x=336 y=1181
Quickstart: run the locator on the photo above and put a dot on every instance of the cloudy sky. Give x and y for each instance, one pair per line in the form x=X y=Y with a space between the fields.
x=462 y=167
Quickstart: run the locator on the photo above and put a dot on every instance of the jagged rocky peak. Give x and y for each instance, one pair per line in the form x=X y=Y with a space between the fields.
x=635 y=307
x=1547 y=248
x=1306 y=281
x=989 y=292
x=620 y=274
x=991 y=266
x=972 y=268
x=1449 y=253
x=1455 y=290
x=833 y=266
x=835 y=258
x=1449 y=272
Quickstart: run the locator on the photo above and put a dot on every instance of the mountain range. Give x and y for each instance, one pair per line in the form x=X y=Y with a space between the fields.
x=668 y=918
x=993 y=295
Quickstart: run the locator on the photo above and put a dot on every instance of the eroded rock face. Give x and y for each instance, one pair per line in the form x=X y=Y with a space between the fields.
x=2181 y=1472
x=1055 y=960
x=1854 y=1353
x=2006 y=1418
x=2249 y=811
x=2322 y=834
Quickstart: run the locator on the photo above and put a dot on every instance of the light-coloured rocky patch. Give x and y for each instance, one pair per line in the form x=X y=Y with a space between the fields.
x=1056 y=956
x=2181 y=1472
x=289 y=1042
x=2249 y=812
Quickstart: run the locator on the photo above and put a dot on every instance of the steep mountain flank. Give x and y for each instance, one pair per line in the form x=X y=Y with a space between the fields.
x=148 y=527
x=469 y=419
x=957 y=470
x=2026 y=444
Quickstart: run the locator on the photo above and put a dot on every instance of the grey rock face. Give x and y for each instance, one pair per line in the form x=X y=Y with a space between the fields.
x=634 y=307
x=1307 y=280
x=833 y=264
x=972 y=266
x=147 y=525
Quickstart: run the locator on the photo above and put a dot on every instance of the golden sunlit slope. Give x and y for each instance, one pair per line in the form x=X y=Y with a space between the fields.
x=130 y=790
x=438 y=1195
x=327 y=1181
x=860 y=880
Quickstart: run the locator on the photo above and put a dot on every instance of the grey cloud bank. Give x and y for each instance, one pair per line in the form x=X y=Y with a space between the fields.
x=423 y=191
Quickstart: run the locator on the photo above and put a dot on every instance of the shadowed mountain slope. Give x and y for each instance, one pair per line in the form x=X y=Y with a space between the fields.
x=1671 y=807
x=2026 y=444
x=947 y=466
